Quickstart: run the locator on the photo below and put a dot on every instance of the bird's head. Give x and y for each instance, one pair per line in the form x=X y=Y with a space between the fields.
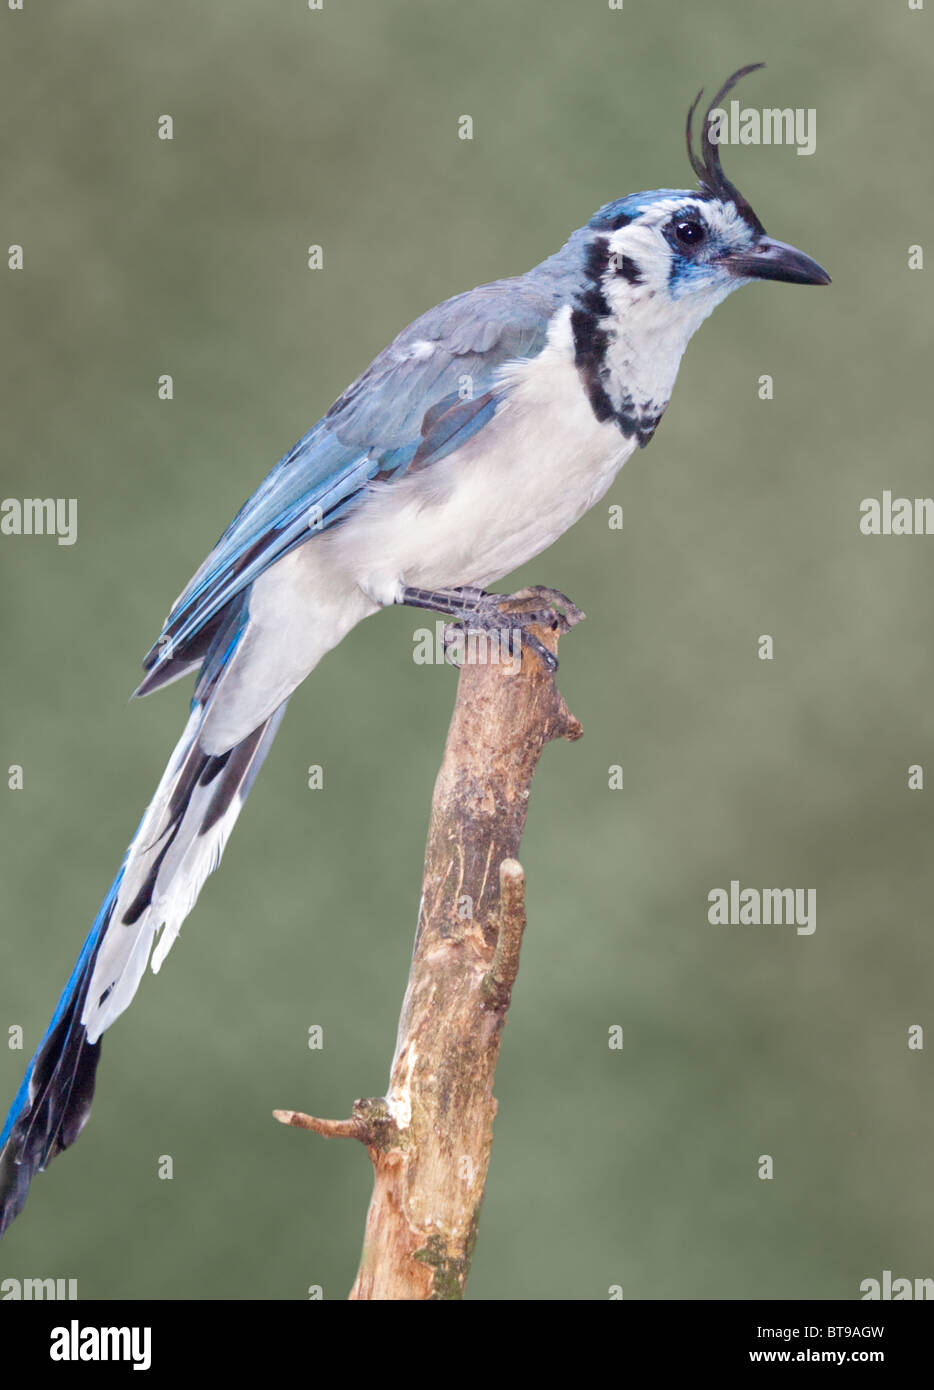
x=689 y=250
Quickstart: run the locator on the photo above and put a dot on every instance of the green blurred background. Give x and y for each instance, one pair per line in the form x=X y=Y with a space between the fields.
x=143 y=257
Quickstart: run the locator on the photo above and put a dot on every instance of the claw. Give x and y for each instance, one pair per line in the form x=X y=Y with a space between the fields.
x=548 y=658
x=554 y=598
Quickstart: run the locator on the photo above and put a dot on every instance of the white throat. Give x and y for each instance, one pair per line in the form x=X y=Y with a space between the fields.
x=647 y=335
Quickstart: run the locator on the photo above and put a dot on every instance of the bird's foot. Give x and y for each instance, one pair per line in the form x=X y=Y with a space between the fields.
x=557 y=604
x=506 y=633
x=476 y=611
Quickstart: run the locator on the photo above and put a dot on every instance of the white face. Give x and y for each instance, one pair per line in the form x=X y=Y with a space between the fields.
x=674 y=250
x=654 y=266
x=664 y=274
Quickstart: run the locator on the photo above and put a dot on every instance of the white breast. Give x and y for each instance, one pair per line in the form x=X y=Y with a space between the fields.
x=467 y=520
x=502 y=498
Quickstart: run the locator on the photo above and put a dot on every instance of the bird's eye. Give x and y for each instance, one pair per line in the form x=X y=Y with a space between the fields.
x=690 y=233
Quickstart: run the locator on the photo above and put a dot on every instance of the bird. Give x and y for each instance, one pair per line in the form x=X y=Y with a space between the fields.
x=485 y=430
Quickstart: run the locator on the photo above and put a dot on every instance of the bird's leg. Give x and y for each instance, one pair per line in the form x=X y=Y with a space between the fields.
x=479 y=611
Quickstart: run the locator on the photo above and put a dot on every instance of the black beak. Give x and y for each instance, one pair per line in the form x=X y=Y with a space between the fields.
x=773 y=260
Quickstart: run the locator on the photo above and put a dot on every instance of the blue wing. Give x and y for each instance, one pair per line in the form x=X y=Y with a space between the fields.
x=422 y=397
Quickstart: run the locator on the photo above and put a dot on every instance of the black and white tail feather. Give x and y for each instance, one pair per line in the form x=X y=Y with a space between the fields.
x=179 y=842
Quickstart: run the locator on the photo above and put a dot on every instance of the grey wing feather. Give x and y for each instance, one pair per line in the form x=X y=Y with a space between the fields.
x=469 y=336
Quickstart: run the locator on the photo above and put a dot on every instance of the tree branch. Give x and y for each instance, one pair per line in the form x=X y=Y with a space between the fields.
x=430 y=1138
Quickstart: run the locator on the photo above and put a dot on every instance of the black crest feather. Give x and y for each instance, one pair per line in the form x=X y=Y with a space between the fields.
x=706 y=161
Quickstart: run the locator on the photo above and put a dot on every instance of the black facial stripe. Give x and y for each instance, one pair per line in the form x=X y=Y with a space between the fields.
x=627 y=267
x=593 y=300
x=590 y=344
x=590 y=340
x=590 y=348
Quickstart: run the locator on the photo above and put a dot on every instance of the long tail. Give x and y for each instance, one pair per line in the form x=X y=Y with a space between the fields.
x=179 y=842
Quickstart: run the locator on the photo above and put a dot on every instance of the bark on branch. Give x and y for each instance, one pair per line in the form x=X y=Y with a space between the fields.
x=430 y=1137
